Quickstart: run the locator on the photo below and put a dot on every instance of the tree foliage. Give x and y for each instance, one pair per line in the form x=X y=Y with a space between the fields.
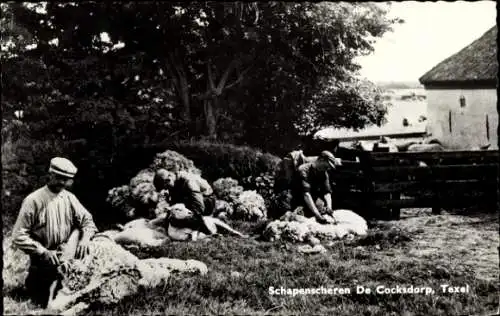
x=247 y=72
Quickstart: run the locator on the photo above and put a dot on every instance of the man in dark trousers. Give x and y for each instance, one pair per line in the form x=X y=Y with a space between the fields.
x=191 y=190
x=312 y=182
x=187 y=188
x=47 y=219
x=300 y=180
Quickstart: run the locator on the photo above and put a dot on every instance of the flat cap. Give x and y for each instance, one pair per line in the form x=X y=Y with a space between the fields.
x=63 y=167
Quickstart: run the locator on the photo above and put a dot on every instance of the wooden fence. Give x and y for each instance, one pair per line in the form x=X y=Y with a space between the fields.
x=391 y=181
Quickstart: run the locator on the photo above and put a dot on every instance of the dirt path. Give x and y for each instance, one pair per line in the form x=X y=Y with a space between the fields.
x=468 y=240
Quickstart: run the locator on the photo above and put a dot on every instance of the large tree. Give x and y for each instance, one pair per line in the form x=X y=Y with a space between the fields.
x=255 y=70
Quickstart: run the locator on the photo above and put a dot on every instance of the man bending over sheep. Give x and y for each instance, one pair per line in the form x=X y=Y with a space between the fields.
x=189 y=189
x=48 y=217
x=312 y=182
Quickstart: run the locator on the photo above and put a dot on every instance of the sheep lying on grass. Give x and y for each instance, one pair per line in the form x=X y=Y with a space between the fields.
x=209 y=226
x=110 y=273
x=141 y=232
x=167 y=226
x=297 y=228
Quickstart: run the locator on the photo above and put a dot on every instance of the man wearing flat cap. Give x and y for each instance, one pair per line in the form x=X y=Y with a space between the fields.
x=312 y=182
x=187 y=188
x=47 y=219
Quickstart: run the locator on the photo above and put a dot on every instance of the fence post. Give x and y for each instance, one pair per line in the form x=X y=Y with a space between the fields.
x=436 y=199
x=395 y=212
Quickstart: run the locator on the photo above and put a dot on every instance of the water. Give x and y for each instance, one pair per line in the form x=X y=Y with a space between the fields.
x=412 y=110
x=409 y=109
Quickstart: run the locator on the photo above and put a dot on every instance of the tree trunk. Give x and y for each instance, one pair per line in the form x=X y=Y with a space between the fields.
x=213 y=95
x=179 y=78
x=184 y=95
x=210 y=118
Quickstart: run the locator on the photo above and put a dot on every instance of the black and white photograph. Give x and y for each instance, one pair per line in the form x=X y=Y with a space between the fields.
x=250 y=158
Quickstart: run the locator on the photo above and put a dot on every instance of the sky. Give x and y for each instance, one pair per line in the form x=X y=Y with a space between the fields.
x=432 y=32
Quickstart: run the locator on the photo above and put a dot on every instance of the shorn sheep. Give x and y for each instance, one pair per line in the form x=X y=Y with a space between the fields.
x=145 y=233
x=297 y=228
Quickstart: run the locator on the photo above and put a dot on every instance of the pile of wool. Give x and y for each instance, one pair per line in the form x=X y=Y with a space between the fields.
x=173 y=161
x=140 y=197
x=119 y=199
x=110 y=273
x=263 y=184
x=227 y=189
x=235 y=203
x=297 y=228
x=142 y=189
x=249 y=206
x=15 y=266
x=162 y=205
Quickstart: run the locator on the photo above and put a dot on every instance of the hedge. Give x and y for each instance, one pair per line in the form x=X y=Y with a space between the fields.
x=218 y=160
x=25 y=165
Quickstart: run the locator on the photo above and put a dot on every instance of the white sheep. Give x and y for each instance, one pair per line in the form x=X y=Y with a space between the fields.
x=108 y=274
x=208 y=225
x=297 y=228
x=141 y=232
x=154 y=233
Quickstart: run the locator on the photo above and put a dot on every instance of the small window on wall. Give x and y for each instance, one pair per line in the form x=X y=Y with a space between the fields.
x=462 y=101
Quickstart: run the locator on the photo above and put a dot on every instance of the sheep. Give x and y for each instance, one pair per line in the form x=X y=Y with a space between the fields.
x=297 y=228
x=425 y=148
x=208 y=226
x=140 y=232
x=168 y=226
x=108 y=274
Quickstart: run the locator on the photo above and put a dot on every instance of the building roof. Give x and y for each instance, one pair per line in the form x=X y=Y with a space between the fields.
x=474 y=64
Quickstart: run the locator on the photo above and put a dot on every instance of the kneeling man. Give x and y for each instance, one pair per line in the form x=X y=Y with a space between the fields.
x=313 y=182
x=191 y=190
x=47 y=219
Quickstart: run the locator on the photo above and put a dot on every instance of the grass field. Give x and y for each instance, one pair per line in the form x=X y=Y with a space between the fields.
x=419 y=250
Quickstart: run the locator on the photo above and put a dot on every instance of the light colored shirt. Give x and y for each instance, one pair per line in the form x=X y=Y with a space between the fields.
x=46 y=220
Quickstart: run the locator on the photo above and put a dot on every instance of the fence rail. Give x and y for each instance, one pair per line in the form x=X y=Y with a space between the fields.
x=391 y=181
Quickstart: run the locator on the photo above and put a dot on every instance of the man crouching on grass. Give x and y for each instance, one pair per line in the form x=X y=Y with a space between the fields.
x=47 y=219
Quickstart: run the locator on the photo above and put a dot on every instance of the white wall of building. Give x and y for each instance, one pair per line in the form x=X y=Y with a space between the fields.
x=468 y=123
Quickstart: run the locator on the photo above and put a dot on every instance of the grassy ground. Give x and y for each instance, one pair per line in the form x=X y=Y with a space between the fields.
x=420 y=250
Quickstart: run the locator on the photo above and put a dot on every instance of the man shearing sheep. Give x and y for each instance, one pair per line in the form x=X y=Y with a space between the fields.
x=313 y=182
x=191 y=190
x=47 y=219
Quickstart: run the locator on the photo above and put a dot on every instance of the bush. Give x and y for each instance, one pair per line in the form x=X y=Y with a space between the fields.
x=25 y=164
